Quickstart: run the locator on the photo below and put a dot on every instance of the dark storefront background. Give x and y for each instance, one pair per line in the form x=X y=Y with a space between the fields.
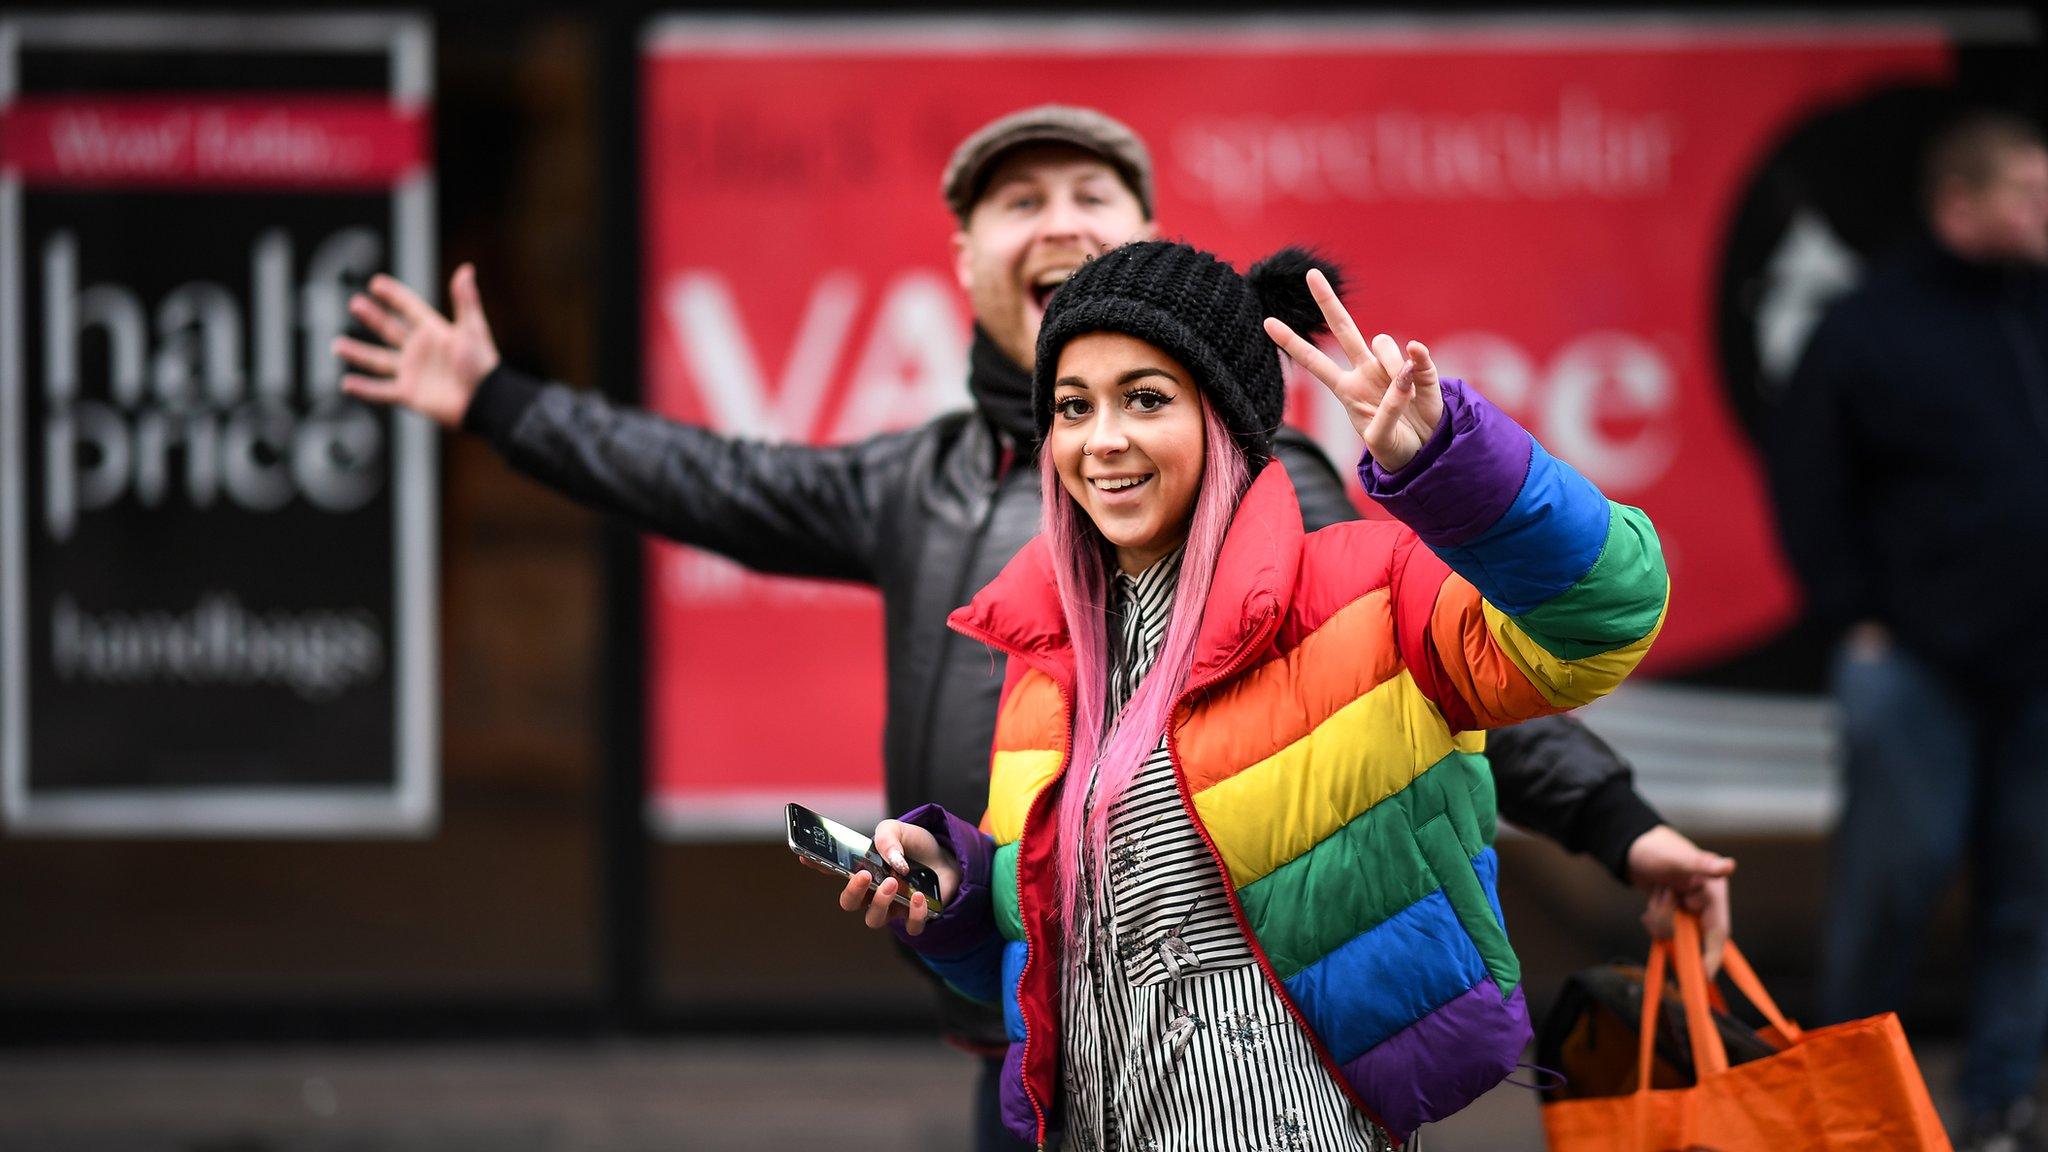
x=535 y=903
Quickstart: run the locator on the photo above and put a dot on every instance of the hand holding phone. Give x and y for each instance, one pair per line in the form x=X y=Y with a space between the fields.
x=881 y=879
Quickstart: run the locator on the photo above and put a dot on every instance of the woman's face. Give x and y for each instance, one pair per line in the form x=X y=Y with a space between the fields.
x=1126 y=440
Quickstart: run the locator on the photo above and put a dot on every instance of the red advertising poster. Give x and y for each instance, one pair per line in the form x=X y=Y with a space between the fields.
x=1544 y=203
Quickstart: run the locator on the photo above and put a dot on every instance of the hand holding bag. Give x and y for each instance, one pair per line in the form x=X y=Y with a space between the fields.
x=1851 y=1087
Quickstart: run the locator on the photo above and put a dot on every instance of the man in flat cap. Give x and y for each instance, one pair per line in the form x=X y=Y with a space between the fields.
x=931 y=514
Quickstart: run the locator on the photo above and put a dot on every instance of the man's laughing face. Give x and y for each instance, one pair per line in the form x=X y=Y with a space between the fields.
x=1047 y=208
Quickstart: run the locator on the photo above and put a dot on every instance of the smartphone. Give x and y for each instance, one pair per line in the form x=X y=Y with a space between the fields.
x=845 y=851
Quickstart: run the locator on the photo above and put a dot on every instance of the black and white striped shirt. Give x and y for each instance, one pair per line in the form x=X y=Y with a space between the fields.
x=1172 y=1039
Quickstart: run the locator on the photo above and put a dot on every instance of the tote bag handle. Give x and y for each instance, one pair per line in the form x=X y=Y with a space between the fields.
x=1682 y=954
x=1709 y=1056
x=1740 y=974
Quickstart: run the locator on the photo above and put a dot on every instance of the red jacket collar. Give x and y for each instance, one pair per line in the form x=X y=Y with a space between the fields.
x=1019 y=611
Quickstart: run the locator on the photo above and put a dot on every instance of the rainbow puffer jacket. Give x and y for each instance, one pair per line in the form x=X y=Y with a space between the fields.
x=1330 y=750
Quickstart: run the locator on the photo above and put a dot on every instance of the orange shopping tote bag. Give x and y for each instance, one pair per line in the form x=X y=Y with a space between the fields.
x=1850 y=1087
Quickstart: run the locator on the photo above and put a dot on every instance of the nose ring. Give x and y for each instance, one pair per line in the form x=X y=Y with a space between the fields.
x=1086 y=451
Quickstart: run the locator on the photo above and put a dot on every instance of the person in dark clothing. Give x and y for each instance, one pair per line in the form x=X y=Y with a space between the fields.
x=931 y=514
x=1909 y=458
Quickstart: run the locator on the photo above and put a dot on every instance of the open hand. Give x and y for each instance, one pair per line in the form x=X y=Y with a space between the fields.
x=1391 y=393
x=426 y=362
x=1680 y=874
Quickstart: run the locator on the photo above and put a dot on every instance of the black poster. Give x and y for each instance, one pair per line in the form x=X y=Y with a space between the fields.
x=219 y=571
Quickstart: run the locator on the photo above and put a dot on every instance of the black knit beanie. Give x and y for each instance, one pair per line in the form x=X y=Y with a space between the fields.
x=1199 y=310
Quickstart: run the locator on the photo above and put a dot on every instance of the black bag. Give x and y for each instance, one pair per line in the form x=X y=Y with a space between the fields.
x=1589 y=1038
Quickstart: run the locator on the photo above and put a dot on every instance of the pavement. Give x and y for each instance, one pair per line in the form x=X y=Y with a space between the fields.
x=725 y=1095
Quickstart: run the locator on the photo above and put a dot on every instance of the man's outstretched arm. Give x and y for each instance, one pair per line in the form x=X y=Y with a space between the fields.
x=784 y=508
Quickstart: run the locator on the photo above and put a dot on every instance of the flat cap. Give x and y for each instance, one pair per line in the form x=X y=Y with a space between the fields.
x=974 y=161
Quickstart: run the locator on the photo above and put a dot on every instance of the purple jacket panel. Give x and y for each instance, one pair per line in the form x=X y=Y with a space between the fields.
x=1449 y=506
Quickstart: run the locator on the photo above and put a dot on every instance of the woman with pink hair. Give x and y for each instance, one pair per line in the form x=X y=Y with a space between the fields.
x=1235 y=884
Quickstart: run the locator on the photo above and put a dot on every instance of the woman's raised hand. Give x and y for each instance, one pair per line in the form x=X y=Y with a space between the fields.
x=1390 y=393
x=899 y=843
x=427 y=362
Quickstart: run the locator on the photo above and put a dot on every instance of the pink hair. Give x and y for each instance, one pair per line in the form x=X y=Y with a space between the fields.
x=1081 y=561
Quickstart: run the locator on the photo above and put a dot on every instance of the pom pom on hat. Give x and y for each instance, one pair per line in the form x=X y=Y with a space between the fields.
x=1280 y=281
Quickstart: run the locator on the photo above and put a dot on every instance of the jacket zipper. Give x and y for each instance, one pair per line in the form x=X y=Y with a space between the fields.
x=1031 y=813
x=1187 y=800
x=1236 y=664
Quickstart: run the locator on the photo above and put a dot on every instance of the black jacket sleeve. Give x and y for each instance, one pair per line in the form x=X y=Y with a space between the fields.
x=789 y=509
x=1554 y=777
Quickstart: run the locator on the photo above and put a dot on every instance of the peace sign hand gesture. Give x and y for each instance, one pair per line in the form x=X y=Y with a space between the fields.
x=1394 y=400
